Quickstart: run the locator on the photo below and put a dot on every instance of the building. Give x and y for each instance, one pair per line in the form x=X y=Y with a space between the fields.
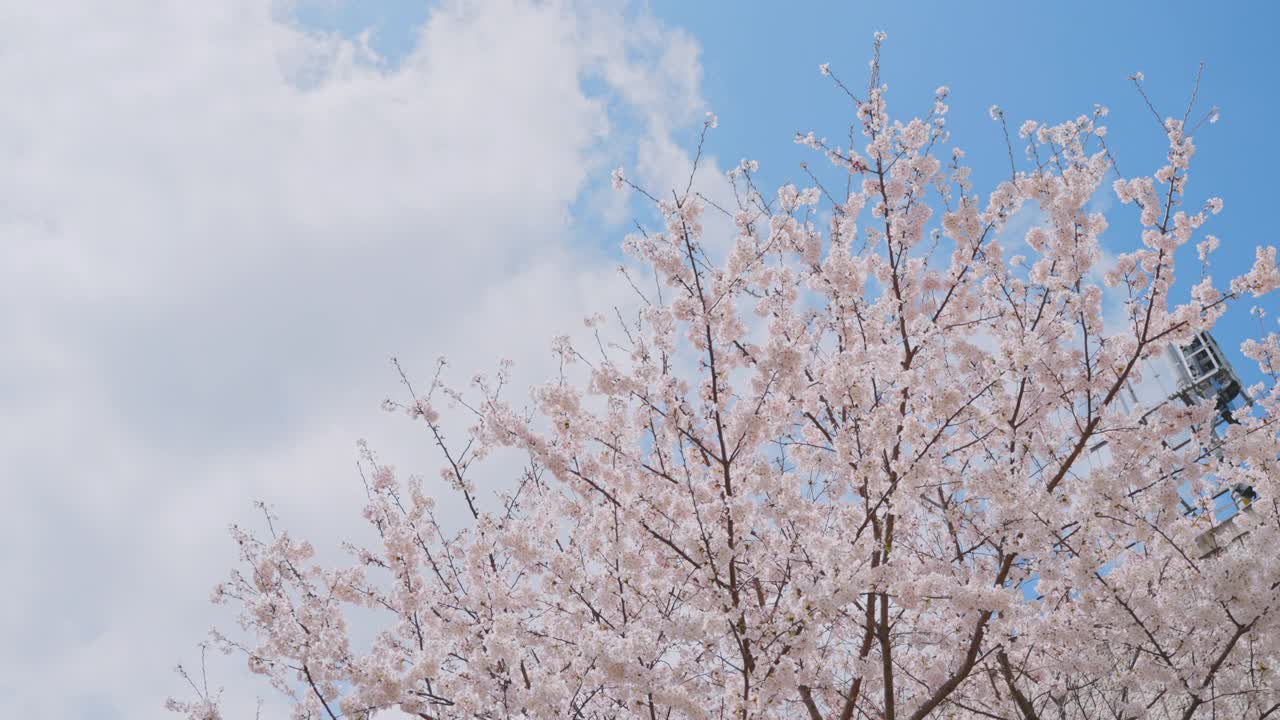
x=1194 y=374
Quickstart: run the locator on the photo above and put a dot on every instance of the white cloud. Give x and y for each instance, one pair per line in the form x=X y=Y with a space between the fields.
x=215 y=227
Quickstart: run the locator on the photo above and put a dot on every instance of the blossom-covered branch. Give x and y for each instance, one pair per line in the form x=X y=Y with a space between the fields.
x=868 y=453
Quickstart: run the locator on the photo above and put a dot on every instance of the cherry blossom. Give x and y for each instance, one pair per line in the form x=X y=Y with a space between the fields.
x=871 y=455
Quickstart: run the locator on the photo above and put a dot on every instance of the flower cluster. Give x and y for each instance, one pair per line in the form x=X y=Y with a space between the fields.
x=857 y=460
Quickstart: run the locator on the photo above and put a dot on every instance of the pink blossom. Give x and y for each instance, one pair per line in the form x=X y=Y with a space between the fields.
x=858 y=451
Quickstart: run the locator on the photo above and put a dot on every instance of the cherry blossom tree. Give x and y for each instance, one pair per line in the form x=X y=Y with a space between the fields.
x=835 y=466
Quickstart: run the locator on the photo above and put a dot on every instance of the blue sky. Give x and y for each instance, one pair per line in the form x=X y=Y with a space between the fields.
x=1043 y=61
